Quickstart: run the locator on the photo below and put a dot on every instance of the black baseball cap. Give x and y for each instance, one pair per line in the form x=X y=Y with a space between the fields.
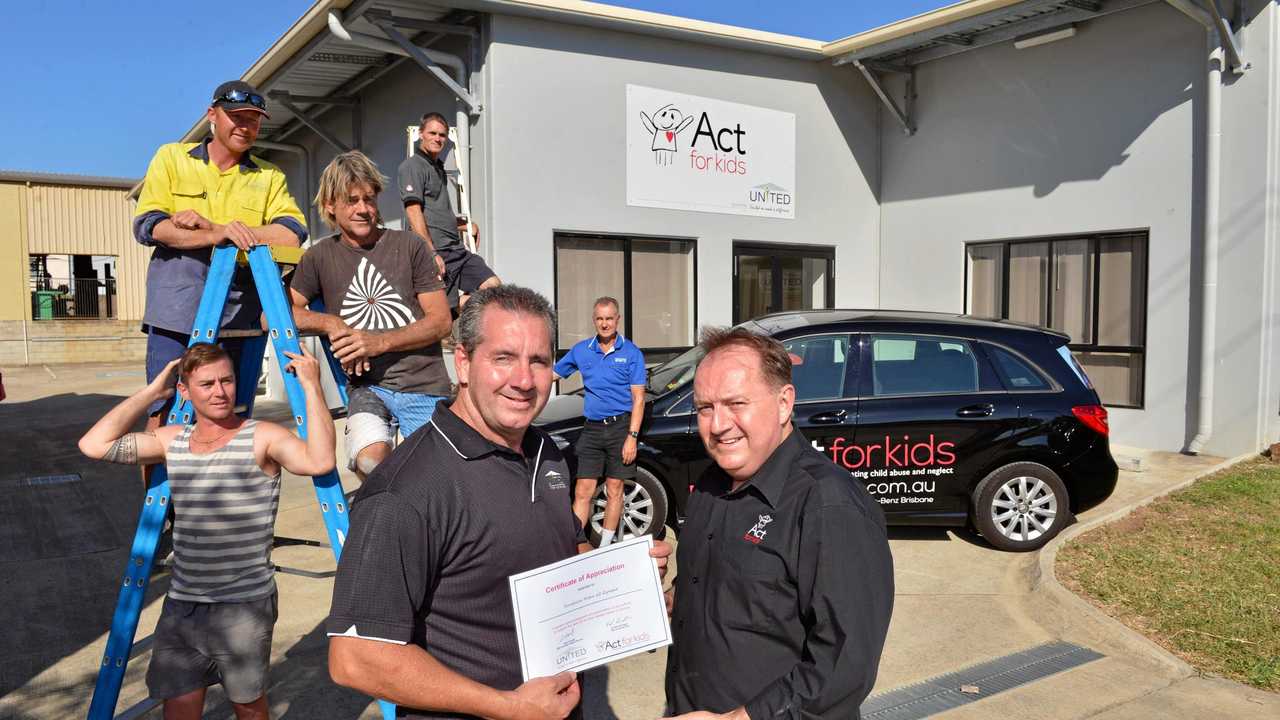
x=239 y=95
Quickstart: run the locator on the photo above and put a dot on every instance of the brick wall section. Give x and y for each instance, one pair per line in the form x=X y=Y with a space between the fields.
x=71 y=341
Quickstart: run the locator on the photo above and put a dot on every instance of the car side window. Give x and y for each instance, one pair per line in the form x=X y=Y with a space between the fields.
x=1016 y=373
x=818 y=365
x=683 y=406
x=922 y=365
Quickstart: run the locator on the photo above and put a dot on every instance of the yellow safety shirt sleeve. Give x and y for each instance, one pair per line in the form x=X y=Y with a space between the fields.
x=280 y=204
x=157 y=185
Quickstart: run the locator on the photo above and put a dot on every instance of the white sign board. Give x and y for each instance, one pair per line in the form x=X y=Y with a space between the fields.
x=686 y=152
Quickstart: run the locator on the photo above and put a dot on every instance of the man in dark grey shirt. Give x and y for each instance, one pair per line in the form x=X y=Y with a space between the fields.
x=385 y=312
x=785 y=584
x=424 y=189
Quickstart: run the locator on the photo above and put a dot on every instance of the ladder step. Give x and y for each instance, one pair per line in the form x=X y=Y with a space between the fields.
x=306 y=573
x=281 y=541
x=282 y=254
x=141 y=646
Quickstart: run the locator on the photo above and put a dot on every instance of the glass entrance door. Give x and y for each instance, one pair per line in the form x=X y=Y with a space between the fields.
x=768 y=279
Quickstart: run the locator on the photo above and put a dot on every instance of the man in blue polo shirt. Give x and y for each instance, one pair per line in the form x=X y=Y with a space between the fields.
x=613 y=373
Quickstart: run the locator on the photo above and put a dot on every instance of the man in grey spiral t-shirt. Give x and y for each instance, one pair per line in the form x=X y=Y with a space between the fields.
x=385 y=312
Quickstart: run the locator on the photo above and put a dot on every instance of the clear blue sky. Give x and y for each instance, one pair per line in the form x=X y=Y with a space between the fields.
x=93 y=87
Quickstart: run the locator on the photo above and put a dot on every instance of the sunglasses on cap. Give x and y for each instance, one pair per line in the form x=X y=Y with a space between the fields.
x=240 y=96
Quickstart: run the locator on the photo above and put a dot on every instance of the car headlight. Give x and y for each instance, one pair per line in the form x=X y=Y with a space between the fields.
x=560 y=442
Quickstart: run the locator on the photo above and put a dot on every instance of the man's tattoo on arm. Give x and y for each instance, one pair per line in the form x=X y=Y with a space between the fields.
x=125 y=450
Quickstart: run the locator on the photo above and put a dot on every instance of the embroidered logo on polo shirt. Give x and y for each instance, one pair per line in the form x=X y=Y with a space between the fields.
x=555 y=481
x=619 y=359
x=757 y=532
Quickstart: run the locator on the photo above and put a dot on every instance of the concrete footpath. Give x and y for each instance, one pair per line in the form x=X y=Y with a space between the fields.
x=63 y=545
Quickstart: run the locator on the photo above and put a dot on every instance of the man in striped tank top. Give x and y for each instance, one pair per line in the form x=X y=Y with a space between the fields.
x=224 y=472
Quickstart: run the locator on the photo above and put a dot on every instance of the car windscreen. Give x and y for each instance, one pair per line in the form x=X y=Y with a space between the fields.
x=675 y=372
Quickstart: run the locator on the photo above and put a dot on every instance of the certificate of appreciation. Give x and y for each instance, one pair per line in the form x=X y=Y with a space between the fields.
x=589 y=609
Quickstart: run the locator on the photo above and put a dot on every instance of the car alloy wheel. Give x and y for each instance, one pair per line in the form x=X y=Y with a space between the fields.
x=1024 y=508
x=1021 y=506
x=644 y=507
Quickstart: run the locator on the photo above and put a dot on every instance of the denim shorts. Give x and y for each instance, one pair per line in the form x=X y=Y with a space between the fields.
x=375 y=413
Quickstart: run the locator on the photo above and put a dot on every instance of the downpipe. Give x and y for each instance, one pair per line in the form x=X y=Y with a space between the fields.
x=1212 y=212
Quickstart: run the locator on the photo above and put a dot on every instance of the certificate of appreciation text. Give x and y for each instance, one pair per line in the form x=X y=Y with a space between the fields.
x=589 y=609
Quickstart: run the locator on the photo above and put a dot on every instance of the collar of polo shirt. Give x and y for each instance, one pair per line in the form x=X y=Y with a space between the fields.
x=471 y=445
x=618 y=342
x=201 y=153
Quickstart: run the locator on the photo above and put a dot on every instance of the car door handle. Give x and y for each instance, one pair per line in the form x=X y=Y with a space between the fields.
x=975 y=411
x=828 y=418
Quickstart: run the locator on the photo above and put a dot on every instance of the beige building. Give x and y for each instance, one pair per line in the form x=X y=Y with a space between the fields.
x=75 y=279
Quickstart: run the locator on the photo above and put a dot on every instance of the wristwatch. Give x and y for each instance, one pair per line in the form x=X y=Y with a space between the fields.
x=634 y=434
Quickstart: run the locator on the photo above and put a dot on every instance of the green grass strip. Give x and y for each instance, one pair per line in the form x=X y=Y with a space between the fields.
x=1197 y=572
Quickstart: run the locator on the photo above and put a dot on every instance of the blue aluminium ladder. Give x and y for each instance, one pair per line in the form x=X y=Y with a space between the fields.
x=333 y=504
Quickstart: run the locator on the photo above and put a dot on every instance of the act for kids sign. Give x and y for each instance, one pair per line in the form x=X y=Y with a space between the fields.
x=686 y=152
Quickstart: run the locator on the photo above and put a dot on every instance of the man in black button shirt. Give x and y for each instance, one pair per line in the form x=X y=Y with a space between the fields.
x=785 y=582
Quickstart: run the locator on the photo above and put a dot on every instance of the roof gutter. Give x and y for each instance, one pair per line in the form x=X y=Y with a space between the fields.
x=609 y=17
x=913 y=25
x=312 y=23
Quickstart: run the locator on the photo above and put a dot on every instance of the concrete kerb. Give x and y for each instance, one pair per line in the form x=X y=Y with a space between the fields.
x=1106 y=629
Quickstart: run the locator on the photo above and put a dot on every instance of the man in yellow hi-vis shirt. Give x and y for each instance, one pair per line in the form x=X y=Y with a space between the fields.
x=200 y=195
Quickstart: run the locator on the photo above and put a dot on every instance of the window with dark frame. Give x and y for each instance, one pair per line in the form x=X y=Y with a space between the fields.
x=72 y=287
x=653 y=280
x=1091 y=287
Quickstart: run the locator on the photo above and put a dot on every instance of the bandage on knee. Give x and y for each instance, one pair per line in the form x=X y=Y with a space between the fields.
x=365 y=464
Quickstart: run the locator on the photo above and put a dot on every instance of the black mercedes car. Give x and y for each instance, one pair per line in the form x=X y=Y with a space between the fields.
x=946 y=419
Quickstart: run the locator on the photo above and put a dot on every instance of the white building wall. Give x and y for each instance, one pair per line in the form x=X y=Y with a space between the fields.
x=1246 y=403
x=1099 y=132
x=556 y=108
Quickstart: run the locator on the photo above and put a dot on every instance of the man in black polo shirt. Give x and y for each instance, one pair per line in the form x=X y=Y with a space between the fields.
x=424 y=190
x=785 y=587
x=421 y=610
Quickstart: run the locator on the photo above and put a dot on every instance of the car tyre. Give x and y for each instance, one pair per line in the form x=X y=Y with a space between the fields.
x=644 y=508
x=1021 y=506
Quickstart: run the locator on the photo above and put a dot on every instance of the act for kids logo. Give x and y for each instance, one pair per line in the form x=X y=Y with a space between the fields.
x=717 y=150
x=757 y=532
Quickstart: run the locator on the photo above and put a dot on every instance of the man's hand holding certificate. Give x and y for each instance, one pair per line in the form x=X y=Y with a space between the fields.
x=590 y=609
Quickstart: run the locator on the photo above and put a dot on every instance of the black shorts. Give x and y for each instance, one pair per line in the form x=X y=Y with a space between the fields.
x=599 y=449
x=464 y=272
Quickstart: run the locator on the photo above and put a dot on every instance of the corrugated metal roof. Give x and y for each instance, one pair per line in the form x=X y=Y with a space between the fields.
x=307 y=60
x=968 y=26
x=43 y=178
x=321 y=65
